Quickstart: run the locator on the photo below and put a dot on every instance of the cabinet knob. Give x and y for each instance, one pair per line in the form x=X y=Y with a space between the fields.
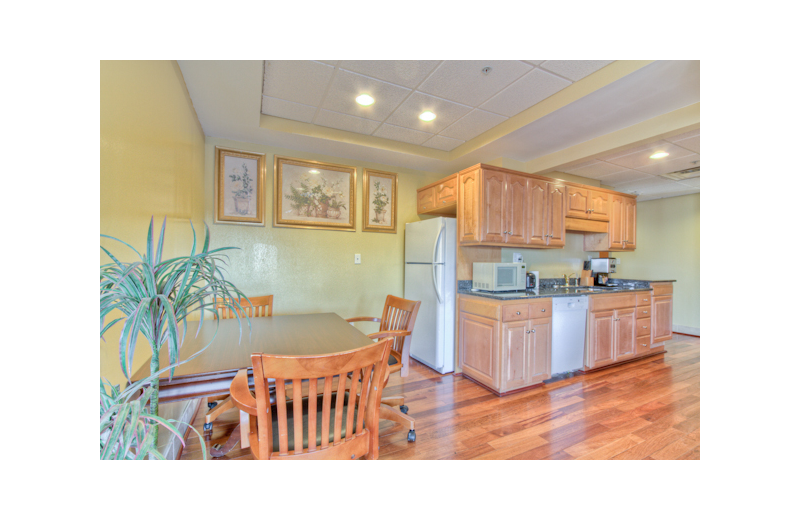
x=644 y=344
x=527 y=332
x=544 y=310
x=645 y=326
x=644 y=299
x=517 y=313
x=645 y=312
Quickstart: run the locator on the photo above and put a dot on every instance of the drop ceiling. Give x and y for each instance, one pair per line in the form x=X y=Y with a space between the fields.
x=594 y=119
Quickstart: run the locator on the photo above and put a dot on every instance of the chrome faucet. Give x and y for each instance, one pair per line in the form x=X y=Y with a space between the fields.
x=566 y=278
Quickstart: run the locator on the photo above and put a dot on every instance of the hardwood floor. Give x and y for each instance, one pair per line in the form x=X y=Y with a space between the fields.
x=647 y=409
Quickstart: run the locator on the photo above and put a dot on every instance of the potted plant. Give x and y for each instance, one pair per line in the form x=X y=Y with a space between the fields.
x=379 y=201
x=241 y=189
x=157 y=296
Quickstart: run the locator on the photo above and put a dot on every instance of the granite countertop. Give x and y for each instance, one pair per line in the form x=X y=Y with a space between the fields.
x=547 y=290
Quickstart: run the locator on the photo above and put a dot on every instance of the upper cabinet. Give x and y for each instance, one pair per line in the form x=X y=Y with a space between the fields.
x=501 y=207
x=585 y=203
x=621 y=235
x=438 y=198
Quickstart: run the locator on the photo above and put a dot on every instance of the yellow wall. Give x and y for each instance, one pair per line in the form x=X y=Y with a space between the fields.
x=668 y=248
x=309 y=270
x=151 y=164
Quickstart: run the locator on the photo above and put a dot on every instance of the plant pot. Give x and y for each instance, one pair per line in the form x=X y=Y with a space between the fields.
x=379 y=215
x=242 y=205
x=334 y=212
x=322 y=210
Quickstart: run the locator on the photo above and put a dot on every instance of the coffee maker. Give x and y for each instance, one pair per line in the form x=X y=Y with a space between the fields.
x=601 y=268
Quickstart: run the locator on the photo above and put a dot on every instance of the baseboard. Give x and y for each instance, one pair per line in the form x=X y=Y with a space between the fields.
x=683 y=329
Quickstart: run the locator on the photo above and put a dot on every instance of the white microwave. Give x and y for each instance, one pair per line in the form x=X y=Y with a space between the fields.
x=498 y=276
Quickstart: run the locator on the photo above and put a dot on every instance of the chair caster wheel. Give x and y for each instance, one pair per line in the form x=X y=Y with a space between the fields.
x=412 y=436
x=404 y=409
x=212 y=404
x=207 y=427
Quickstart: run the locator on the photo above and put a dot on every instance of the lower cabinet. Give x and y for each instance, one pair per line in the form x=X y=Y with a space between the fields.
x=611 y=337
x=505 y=345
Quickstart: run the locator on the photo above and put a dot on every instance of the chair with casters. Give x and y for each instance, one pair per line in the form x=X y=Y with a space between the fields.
x=258 y=306
x=397 y=324
x=311 y=416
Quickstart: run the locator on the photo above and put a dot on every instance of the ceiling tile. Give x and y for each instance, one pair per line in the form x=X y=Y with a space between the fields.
x=398 y=133
x=664 y=195
x=640 y=156
x=473 y=124
x=691 y=183
x=690 y=143
x=595 y=169
x=623 y=176
x=442 y=143
x=645 y=185
x=329 y=62
x=534 y=62
x=299 y=81
x=463 y=81
x=685 y=135
x=407 y=115
x=526 y=92
x=408 y=73
x=287 y=110
x=574 y=69
x=346 y=122
x=669 y=166
x=347 y=86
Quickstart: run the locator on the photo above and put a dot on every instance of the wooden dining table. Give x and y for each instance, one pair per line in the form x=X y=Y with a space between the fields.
x=210 y=374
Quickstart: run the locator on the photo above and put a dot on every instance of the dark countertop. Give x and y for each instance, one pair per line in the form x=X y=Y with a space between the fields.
x=558 y=292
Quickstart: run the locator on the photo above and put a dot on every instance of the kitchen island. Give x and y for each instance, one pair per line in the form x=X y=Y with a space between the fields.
x=505 y=340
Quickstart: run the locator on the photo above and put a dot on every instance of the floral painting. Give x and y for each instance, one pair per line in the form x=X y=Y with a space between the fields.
x=309 y=194
x=239 y=186
x=380 y=204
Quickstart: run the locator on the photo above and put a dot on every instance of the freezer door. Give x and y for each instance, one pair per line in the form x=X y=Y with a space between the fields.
x=421 y=239
x=427 y=340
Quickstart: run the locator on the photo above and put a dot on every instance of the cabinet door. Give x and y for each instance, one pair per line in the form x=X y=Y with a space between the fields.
x=445 y=193
x=600 y=349
x=616 y=224
x=556 y=211
x=629 y=240
x=514 y=358
x=599 y=205
x=537 y=207
x=477 y=338
x=468 y=207
x=492 y=221
x=539 y=339
x=516 y=209
x=662 y=318
x=577 y=202
x=425 y=200
x=624 y=334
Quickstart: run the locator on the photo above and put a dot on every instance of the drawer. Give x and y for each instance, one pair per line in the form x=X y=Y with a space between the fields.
x=643 y=312
x=446 y=193
x=609 y=302
x=515 y=312
x=425 y=200
x=644 y=298
x=642 y=344
x=643 y=327
x=661 y=288
x=541 y=308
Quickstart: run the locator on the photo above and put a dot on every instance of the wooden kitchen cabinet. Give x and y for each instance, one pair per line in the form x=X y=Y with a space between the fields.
x=621 y=234
x=662 y=312
x=505 y=346
x=438 y=198
x=585 y=203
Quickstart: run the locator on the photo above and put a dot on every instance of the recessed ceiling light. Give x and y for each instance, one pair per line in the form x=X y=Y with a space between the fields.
x=659 y=155
x=313 y=171
x=365 y=100
x=427 y=116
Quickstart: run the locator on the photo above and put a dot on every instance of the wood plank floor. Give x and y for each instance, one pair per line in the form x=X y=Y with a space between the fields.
x=647 y=409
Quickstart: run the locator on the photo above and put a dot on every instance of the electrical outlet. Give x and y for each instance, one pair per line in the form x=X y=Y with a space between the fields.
x=517 y=258
x=619 y=261
x=358 y=258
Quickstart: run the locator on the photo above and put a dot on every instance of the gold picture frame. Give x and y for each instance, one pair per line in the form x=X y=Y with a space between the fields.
x=314 y=195
x=239 y=188
x=380 y=191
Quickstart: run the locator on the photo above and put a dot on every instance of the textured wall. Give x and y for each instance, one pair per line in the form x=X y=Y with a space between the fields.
x=310 y=270
x=151 y=164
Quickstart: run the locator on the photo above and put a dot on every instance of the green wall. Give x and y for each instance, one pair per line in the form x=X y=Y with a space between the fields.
x=309 y=270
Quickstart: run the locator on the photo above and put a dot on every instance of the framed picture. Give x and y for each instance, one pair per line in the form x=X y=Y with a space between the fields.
x=239 y=187
x=314 y=195
x=380 y=201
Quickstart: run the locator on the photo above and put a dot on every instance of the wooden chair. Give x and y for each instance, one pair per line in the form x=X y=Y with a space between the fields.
x=397 y=323
x=301 y=423
x=259 y=306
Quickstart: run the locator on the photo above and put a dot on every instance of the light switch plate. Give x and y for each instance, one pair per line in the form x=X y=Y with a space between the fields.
x=517 y=258
x=358 y=258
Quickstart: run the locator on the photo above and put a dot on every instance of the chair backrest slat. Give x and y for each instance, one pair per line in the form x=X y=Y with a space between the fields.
x=283 y=425
x=312 y=414
x=326 y=411
x=337 y=421
x=399 y=314
x=258 y=306
x=297 y=401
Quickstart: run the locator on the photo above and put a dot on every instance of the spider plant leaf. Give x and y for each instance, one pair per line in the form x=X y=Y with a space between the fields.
x=110 y=324
x=127 y=244
x=208 y=238
x=129 y=337
x=114 y=258
x=172 y=331
x=115 y=431
x=194 y=239
x=130 y=430
x=149 y=254
x=168 y=424
x=161 y=242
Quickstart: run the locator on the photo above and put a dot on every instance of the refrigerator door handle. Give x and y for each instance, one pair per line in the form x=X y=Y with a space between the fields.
x=433 y=263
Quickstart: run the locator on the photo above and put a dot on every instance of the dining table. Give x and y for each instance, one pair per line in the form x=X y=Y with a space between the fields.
x=228 y=351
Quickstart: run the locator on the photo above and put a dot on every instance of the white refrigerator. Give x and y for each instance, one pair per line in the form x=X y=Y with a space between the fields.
x=430 y=277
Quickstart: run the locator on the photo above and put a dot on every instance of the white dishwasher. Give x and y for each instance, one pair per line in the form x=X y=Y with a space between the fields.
x=569 y=334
